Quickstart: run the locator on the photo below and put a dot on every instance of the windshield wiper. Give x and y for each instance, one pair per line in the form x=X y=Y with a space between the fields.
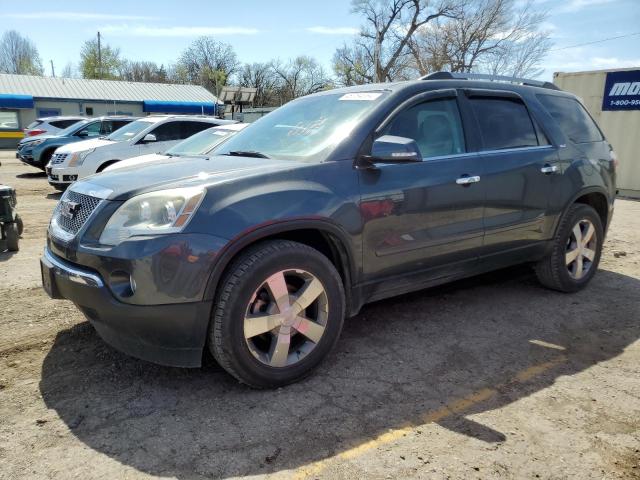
x=246 y=153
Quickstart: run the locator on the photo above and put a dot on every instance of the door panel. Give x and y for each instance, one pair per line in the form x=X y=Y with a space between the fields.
x=417 y=218
x=516 y=205
x=418 y=222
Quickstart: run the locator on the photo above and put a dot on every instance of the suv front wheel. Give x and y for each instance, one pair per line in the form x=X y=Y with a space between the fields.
x=576 y=251
x=278 y=313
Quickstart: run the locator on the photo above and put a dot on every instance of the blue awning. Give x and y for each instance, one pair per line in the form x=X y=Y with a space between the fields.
x=15 y=101
x=198 y=108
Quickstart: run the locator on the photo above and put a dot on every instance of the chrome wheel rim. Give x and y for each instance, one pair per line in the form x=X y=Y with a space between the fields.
x=581 y=249
x=286 y=318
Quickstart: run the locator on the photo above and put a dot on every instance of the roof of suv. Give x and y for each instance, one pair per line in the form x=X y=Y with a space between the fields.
x=440 y=82
x=63 y=117
x=199 y=118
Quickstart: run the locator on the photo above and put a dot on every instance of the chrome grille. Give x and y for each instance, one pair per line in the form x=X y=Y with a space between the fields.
x=57 y=158
x=87 y=205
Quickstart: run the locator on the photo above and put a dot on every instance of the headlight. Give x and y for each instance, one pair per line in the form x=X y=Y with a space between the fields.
x=78 y=157
x=166 y=211
x=35 y=142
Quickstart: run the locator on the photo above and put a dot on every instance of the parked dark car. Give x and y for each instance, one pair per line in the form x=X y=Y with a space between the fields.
x=329 y=202
x=37 y=151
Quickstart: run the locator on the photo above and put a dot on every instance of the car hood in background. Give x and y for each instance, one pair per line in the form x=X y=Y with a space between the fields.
x=85 y=145
x=136 y=161
x=124 y=183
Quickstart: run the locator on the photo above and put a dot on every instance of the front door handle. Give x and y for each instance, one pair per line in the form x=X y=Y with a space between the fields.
x=548 y=169
x=467 y=180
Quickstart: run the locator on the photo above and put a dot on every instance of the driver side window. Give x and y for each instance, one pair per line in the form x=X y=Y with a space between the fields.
x=435 y=126
x=91 y=130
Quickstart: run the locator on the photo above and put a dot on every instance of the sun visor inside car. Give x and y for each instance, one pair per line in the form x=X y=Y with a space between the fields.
x=16 y=101
x=160 y=106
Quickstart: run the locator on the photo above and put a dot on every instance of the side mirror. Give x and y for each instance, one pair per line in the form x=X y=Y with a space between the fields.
x=391 y=149
x=148 y=138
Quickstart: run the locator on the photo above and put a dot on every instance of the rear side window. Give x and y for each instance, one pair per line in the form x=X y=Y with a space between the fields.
x=63 y=123
x=572 y=117
x=191 y=128
x=434 y=125
x=504 y=123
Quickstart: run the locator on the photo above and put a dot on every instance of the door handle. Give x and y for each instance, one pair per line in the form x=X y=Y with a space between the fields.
x=547 y=169
x=467 y=180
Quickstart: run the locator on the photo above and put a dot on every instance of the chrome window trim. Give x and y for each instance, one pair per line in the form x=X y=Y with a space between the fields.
x=516 y=149
x=71 y=273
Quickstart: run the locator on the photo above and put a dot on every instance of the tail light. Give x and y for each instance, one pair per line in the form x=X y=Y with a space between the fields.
x=33 y=133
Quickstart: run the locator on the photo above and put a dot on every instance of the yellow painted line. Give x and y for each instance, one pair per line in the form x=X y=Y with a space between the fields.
x=11 y=135
x=455 y=407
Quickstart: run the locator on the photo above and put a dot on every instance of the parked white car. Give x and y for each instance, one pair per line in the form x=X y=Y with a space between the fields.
x=50 y=125
x=199 y=144
x=153 y=134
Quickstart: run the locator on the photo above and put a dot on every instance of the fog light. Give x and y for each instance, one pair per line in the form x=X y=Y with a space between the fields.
x=132 y=282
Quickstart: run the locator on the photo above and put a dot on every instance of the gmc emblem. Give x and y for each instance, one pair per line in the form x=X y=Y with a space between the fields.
x=69 y=209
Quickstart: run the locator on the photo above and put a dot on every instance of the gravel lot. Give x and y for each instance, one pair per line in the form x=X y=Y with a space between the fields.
x=491 y=377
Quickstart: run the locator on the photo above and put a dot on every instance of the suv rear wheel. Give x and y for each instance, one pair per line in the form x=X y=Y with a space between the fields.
x=279 y=312
x=576 y=251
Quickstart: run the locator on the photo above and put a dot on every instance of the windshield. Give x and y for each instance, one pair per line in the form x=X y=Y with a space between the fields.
x=305 y=130
x=200 y=143
x=130 y=130
x=72 y=128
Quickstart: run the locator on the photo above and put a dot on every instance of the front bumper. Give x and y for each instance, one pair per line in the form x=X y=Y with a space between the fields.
x=167 y=334
x=62 y=176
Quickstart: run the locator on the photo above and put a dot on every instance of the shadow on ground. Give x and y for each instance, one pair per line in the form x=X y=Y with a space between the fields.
x=397 y=361
x=28 y=175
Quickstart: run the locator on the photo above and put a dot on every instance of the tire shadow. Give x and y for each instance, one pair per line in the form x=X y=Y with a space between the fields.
x=398 y=362
x=29 y=175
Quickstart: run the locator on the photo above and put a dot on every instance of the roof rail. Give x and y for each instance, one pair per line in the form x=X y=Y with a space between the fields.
x=491 y=78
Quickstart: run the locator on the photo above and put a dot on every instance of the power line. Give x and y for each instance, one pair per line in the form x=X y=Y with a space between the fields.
x=595 y=41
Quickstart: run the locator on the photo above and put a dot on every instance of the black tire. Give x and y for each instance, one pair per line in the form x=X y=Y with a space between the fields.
x=246 y=274
x=552 y=271
x=44 y=159
x=12 y=236
x=19 y=224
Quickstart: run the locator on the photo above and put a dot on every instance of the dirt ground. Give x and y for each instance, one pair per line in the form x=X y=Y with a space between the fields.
x=491 y=377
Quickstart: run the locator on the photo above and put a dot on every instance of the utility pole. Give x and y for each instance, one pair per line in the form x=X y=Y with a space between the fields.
x=99 y=58
x=53 y=72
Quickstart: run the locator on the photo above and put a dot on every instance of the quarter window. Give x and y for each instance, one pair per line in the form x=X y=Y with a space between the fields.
x=63 y=123
x=572 y=117
x=504 y=123
x=434 y=125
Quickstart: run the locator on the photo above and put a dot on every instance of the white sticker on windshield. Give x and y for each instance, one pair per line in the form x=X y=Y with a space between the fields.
x=361 y=96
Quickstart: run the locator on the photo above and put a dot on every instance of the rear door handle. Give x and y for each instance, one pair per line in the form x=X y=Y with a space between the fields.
x=467 y=180
x=547 y=169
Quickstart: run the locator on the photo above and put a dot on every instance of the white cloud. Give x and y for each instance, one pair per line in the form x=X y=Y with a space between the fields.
x=577 y=5
x=333 y=30
x=146 y=31
x=75 y=16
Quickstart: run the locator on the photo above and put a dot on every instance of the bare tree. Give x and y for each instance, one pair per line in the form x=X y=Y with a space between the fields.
x=353 y=65
x=207 y=62
x=141 y=71
x=300 y=76
x=389 y=27
x=497 y=36
x=261 y=77
x=19 y=55
x=69 y=71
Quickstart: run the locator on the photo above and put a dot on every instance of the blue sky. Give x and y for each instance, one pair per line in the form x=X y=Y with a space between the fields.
x=260 y=30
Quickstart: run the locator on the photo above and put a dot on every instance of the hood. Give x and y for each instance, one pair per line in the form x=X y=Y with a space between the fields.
x=85 y=145
x=123 y=183
x=136 y=161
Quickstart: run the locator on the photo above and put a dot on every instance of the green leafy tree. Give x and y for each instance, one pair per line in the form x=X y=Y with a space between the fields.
x=105 y=66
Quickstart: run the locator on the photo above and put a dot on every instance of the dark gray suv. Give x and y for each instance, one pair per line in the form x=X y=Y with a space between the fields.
x=261 y=249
